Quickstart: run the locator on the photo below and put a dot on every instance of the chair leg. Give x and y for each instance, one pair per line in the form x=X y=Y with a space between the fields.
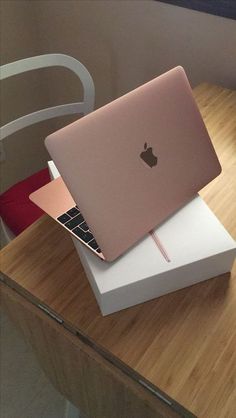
x=8 y=236
x=71 y=411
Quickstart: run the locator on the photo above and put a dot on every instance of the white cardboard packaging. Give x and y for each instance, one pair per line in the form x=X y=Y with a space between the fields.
x=197 y=244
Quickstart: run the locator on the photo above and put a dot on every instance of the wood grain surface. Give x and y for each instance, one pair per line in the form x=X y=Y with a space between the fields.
x=83 y=376
x=183 y=343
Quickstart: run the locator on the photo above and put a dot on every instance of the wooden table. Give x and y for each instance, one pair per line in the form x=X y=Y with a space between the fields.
x=181 y=346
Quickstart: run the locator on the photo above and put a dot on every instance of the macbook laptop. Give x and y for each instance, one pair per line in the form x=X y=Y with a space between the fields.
x=129 y=165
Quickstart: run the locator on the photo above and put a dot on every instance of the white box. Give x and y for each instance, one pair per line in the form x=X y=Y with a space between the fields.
x=197 y=244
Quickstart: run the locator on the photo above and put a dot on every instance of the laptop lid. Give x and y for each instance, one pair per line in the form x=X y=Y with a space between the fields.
x=132 y=163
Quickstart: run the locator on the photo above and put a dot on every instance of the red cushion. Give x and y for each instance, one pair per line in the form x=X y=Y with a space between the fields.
x=16 y=210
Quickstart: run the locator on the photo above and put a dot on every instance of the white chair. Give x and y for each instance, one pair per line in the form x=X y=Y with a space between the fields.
x=84 y=107
x=34 y=63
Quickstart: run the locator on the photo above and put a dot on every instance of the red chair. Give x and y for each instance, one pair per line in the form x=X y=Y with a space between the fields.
x=16 y=210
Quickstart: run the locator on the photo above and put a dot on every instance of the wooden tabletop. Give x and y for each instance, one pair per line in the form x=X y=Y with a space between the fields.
x=183 y=343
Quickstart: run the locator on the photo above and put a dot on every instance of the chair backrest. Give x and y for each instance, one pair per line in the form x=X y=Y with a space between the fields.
x=44 y=61
x=34 y=63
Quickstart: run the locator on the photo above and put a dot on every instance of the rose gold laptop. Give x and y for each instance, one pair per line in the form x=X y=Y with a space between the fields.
x=129 y=165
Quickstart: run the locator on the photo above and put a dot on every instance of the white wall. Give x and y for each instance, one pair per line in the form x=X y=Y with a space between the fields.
x=129 y=42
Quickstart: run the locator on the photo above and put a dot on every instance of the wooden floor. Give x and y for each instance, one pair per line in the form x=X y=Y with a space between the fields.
x=184 y=342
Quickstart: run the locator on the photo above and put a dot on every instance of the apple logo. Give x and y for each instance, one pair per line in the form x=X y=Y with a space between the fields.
x=148 y=157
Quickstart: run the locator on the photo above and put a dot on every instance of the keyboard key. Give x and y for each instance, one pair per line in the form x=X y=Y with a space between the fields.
x=63 y=218
x=93 y=244
x=84 y=226
x=85 y=236
x=74 y=222
x=73 y=212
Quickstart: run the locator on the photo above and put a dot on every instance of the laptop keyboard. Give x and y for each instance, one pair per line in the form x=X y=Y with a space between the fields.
x=73 y=220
